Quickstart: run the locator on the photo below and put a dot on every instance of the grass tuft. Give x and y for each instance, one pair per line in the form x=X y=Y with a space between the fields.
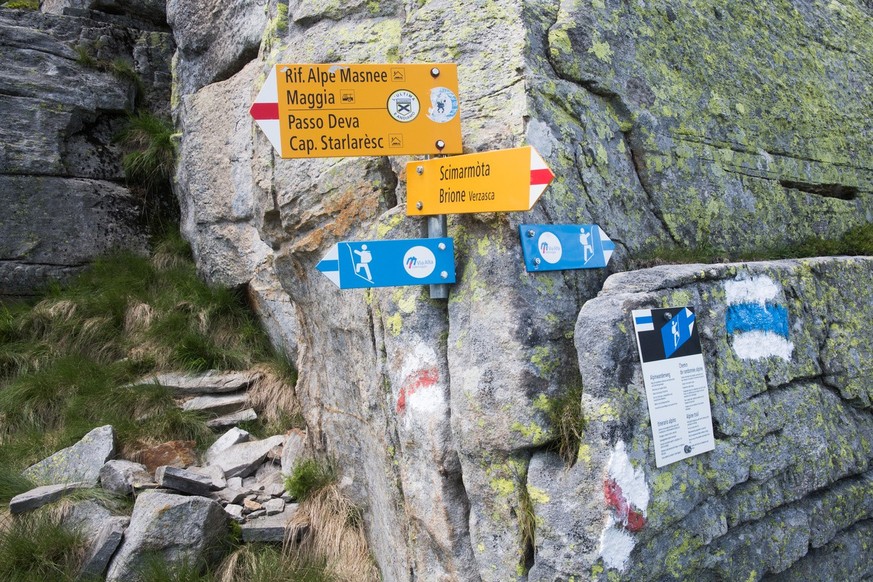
x=35 y=547
x=12 y=483
x=567 y=422
x=308 y=478
x=265 y=563
x=327 y=529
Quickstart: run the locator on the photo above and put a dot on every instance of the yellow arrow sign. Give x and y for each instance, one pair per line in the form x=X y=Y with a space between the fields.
x=497 y=181
x=335 y=110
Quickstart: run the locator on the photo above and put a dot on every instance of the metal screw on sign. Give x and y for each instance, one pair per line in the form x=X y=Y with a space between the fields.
x=434 y=72
x=444 y=274
x=442 y=247
x=420 y=170
x=668 y=316
x=530 y=233
x=536 y=261
x=419 y=205
x=440 y=144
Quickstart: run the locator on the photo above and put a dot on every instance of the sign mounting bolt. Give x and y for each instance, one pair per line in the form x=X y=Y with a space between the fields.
x=420 y=170
x=434 y=72
x=444 y=275
x=536 y=261
x=530 y=233
x=442 y=246
x=419 y=205
x=668 y=316
x=440 y=144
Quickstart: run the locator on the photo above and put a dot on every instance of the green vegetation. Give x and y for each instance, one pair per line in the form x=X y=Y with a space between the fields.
x=328 y=530
x=566 y=421
x=35 y=548
x=527 y=526
x=22 y=4
x=264 y=563
x=66 y=362
x=149 y=162
x=308 y=478
x=855 y=241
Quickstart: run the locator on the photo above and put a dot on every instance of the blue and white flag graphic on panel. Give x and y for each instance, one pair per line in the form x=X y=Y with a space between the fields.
x=755 y=320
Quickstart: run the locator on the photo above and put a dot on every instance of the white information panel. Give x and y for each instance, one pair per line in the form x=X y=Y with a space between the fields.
x=675 y=379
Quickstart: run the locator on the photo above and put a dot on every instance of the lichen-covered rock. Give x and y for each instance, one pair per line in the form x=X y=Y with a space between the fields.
x=789 y=442
x=437 y=412
x=173 y=528
x=736 y=126
x=80 y=462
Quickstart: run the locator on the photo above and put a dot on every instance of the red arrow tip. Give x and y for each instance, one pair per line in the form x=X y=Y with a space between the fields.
x=537 y=177
x=264 y=111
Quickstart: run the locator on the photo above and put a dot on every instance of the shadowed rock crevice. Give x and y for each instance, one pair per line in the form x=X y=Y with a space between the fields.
x=838 y=191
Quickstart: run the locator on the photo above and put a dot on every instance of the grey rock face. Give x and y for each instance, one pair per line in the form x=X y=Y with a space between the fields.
x=38 y=243
x=175 y=528
x=214 y=42
x=39 y=496
x=88 y=517
x=59 y=164
x=80 y=462
x=217 y=192
x=292 y=452
x=121 y=477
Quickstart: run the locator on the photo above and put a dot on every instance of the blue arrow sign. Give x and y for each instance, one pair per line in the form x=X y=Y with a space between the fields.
x=555 y=247
x=390 y=263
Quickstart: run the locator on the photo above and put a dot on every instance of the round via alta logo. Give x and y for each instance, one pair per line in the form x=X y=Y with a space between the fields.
x=419 y=262
x=550 y=248
x=444 y=105
x=403 y=105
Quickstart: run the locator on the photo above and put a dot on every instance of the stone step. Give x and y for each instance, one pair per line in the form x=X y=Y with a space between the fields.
x=233 y=419
x=36 y=498
x=212 y=382
x=216 y=405
x=269 y=528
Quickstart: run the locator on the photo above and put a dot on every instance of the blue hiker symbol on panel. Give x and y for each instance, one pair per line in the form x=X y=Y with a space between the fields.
x=677 y=331
x=555 y=247
x=363 y=262
x=389 y=263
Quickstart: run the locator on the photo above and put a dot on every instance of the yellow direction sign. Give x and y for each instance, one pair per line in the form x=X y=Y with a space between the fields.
x=335 y=110
x=497 y=181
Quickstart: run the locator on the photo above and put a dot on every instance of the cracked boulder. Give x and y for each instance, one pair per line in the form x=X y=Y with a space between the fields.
x=790 y=441
x=173 y=528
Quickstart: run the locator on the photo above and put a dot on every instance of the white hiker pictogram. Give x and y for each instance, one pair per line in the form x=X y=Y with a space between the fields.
x=365 y=257
x=587 y=246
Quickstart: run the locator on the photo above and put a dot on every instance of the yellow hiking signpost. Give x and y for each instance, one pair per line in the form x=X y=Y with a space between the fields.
x=337 y=110
x=497 y=181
